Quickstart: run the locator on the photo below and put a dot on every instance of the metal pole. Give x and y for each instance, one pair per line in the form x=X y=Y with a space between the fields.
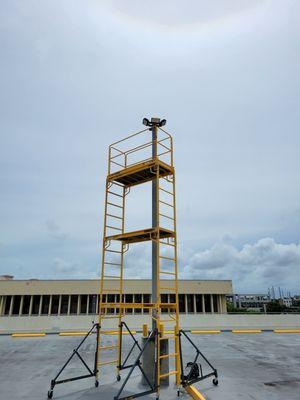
x=154 y=223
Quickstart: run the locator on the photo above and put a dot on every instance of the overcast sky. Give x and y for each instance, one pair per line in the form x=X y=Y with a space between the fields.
x=78 y=75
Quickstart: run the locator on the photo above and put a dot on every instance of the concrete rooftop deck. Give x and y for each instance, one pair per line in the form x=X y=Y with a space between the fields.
x=255 y=366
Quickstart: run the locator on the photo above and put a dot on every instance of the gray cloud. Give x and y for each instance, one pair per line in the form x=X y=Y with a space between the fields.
x=64 y=268
x=54 y=230
x=264 y=262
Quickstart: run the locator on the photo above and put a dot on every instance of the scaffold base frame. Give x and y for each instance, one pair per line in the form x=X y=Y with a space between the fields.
x=92 y=372
x=192 y=377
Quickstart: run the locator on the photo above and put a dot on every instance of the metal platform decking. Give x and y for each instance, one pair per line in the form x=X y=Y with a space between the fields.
x=142 y=235
x=141 y=173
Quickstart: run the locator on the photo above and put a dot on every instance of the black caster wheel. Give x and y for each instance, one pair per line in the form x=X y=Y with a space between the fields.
x=215 y=381
x=118 y=378
x=50 y=394
x=96 y=383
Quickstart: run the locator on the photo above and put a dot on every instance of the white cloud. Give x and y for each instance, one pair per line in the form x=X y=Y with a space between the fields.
x=253 y=267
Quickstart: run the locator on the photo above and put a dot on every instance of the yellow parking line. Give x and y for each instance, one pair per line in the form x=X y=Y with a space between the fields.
x=194 y=393
x=246 y=331
x=20 y=335
x=73 y=333
x=206 y=332
x=286 y=331
x=116 y=333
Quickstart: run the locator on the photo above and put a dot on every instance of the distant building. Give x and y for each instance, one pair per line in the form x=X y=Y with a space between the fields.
x=65 y=304
x=6 y=277
x=286 y=302
x=249 y=301
x=296 y=301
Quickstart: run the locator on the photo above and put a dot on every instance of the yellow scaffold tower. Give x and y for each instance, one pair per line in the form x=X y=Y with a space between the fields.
x=141 y=158
x=134 y=161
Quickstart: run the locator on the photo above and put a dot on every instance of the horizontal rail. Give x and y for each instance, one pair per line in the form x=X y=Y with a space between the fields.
x=163 y=145
x=164 y=152
x=139 y=147
x=115 y=148
x=129 y=137
x=116 y=155
x=167 y=288
x=114 y=162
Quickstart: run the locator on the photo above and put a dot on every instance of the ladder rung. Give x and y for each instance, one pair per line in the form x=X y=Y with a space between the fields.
x=110 y=290
x=115 y=194
x=116 y=183
x=104 y=316
x=168 y=337
x=111 y=263
x=168 y=320
x=167 y=273
x=107 y=362
x=164 y=190
x=166 y=216
x=168 y=374
x=165 y=305
x=113 y=227
x=167 y=204
x=167 y=288
x=114 y=216
x=167 y=258
x=113 y=251
x=111 y=276
x=107 y=347
x=115 y=205
x=168 y=355
x=168 y=244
